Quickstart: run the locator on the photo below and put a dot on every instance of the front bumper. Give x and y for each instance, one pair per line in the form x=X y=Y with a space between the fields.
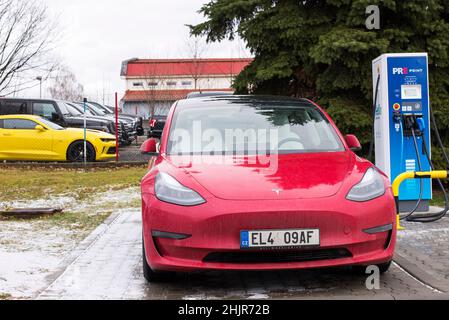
x=105 y=151
x=214 y=230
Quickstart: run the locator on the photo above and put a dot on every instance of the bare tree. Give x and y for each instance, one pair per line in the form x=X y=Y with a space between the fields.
x=26 y=40
x=196 y=48
x=66 y=86
x=155 y=85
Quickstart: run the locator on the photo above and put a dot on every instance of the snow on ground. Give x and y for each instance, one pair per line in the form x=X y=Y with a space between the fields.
x=31 y=250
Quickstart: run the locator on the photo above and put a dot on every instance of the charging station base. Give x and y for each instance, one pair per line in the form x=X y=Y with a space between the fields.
x=407 y=206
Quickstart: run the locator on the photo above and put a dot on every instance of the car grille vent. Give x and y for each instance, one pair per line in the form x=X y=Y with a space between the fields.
x=277 y=256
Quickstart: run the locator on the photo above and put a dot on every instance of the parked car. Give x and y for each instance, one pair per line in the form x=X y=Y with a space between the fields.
x=33 y=138
x=215 y=205
x=52 y=110
x=77 y=110
x=137 y=121
x=127 y=124
x=157 y=123
x=204 y=94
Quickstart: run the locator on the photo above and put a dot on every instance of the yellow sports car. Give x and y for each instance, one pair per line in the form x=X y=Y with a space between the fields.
x=27 y=137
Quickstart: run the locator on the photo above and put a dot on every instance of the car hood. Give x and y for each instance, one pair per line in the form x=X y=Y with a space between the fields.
x=120 y=119
x=90 y=133
x=292 y=176
x=88 y=119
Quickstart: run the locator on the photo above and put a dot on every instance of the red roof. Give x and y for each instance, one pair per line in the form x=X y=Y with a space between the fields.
x=178 y=67
x=161 y=95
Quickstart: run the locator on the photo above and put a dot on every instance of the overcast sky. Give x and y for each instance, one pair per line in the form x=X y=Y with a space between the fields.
x=97 y=35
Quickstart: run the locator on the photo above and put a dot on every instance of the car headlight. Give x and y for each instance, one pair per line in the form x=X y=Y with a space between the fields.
x=107 y=139
x=371 y=187
x=168 y=189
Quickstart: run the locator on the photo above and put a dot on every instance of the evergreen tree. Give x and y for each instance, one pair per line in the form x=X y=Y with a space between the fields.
x=322 y=49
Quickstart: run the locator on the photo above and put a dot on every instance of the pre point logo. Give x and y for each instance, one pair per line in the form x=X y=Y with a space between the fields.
x=400 y=70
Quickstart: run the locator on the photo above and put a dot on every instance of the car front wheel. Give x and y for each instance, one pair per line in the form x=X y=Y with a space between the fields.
x=75 y=152
x=149 y=274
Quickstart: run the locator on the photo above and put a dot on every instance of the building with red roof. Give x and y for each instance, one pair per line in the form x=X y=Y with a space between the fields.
x=153 y=85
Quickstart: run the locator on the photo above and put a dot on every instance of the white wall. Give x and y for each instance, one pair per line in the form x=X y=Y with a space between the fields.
x=202 y=83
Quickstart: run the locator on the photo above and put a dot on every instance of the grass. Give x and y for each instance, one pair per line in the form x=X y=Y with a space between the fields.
x=5 y=296
x=77 y=221
x=83 y=185
x=35 y=184
x=438 y=199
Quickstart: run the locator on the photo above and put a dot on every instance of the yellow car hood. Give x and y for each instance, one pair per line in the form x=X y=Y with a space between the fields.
x=90 y=133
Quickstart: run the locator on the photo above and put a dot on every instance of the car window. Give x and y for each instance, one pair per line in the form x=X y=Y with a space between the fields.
x=19 y=124
x=13 y=107
x=44 y=109
x=72 y=110
x=51 y=125
x=1 y=124
x=96 y=109
x=251 y=129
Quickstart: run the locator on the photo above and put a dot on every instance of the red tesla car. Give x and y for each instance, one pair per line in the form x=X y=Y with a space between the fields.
x=261 y=183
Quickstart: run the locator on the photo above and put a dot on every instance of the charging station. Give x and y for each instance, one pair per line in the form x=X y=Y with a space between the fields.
x=402 y=124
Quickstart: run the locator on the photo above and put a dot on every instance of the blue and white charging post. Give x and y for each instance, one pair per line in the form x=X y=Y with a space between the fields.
x=403 y=98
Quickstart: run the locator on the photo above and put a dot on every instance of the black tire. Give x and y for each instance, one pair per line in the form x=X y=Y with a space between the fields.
x=149 y=274
x=75 y=152
x=361 y=270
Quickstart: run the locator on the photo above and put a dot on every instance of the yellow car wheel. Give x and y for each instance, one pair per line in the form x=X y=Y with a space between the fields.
x=75 y=152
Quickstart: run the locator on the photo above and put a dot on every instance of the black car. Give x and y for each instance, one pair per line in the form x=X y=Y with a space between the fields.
x=128 y=125
x=77 y=111
x=137 y=121
x=157 y=124
x=53 y=110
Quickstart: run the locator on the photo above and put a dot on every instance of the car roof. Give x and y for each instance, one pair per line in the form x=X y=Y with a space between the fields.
x=255 y=100
x=199 y=94
x=30 y=99
x=20 y=116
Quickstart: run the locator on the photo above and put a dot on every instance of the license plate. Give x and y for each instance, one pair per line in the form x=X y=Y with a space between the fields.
x=279 y=238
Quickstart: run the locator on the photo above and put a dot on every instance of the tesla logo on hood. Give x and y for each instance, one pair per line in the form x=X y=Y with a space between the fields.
x=278 y=191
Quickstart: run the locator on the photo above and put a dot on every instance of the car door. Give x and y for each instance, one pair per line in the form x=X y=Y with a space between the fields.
x=21 y=141
x=48 y=110
x=13 y=107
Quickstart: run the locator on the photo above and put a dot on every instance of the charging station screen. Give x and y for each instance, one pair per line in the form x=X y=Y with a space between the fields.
x=411 y=92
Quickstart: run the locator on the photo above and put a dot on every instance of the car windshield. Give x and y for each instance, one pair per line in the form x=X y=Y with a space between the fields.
x=72 y=110
x=251 y=129
x=50 y=124
x=80 y=108
x=103 y=108
x=96 y=110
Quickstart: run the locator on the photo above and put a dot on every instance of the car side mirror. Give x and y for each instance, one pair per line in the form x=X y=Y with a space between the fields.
x=149 y=147
x=353 y=143
x=55 y=116
x=39 y=128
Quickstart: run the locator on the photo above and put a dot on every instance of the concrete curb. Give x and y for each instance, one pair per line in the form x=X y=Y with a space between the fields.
x=77 y=251
x=63 y=165
x=419 y=273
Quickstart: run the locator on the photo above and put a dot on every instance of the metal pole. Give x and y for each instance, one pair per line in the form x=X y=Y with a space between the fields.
x=116 y=128
x=40 y=88
x=85 y=131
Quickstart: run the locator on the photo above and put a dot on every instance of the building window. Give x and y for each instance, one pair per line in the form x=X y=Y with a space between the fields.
x=187 y=83
x=171 y=83
x=153 y=84
x=137 y=84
